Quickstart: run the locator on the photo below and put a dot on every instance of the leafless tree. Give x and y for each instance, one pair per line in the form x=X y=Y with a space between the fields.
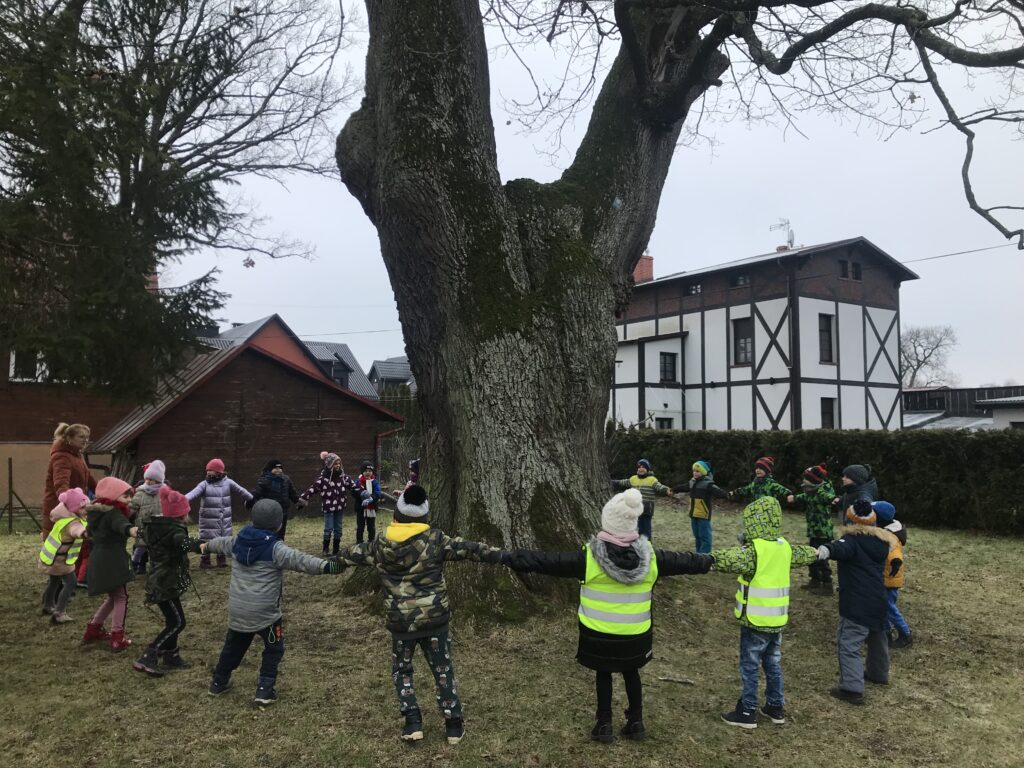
x=507 y=291
x=924 y=354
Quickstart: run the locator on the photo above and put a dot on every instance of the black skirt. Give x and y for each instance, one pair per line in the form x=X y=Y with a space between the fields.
x=613 y=653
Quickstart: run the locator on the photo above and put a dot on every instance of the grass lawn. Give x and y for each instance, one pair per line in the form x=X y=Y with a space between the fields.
x=955 y=696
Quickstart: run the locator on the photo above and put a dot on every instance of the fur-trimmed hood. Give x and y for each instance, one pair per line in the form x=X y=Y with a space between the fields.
x=870 y=530
x=627 y=565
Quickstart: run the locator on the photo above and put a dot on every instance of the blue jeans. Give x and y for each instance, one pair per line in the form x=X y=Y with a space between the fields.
x=332 y=522
x=759 y=649
x=894 y=617
x=701 y=528
x=643 y=525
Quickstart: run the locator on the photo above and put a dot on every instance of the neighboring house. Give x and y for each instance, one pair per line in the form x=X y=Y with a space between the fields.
x=257 y=394
x=1007 y=412
x=393 y=372
x=802 y=338
x=338 y=362
x=943 y=407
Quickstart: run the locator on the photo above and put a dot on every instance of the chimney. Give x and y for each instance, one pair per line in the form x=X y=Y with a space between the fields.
x=643 y=272
x=781 y=248
x=153 y=282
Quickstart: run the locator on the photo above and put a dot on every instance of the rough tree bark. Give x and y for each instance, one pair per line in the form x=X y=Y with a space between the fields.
x=507 y=292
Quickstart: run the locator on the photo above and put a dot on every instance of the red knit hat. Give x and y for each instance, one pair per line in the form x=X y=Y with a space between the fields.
x=110 y=488
x=215 y=465
x=767 y=463
x=173 y=503
x=816 y=475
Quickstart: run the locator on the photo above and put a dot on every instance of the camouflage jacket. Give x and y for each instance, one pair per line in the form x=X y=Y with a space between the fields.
x=757 y=489
x=410 y=559
x=817 y=503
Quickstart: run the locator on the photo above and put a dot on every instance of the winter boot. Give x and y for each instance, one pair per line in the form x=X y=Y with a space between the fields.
x=94 y=633
x=413 y=730
x=118 y=642
x=173 y=660
x=844 y=695
x=222 y=561
x=204 y=562
x=265 y=693
x=327 y=544
x=634 y=727
x=741 y=717
x=59 y=618
x=337 y=545
x=217 y=687
x=148 y=663
x=602 y=730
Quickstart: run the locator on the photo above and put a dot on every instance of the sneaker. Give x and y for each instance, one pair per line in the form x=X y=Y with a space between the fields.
x=217 y=687
x=901 y=641
x=59 y=618
x=602 y=732
x=454 y=730
x=849 y=696
x=776 y=714
x=741 y=717
x=413 y=729
x=265 y=696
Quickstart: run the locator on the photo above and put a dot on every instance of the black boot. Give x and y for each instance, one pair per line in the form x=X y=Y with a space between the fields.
x=602 y=730
x=173 y=660
x=148 y=663
x=327 y=543
x=634 y=727
x=337 y=544
x=413 y=730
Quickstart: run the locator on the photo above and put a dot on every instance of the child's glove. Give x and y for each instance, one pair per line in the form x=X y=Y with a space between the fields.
x=824 y=553
x=894 y=567
x=367 y=502
x=301 y=503
x=333 y=566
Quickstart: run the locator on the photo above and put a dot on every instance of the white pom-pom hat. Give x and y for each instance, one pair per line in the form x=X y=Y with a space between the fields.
x=620 y=514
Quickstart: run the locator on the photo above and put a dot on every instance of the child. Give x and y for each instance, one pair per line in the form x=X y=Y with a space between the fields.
x=168 y=543
x=275 y=484
x=894 y=578
x=215 y=506
x=702 y=490
x=762 y=563
x=333 y=485
x=617 y=570
x=108 y=520
x=414 y=478
x=410 y=559
x=144 y=504
x=254 y=597
x=649 y=487
x=763 y=483
x=816 y=496
x=858 y=483
x=60 y=551
x=861 y=551
x=369 y=495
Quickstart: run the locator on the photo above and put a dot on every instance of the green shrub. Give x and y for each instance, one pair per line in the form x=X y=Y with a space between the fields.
x=934 y=477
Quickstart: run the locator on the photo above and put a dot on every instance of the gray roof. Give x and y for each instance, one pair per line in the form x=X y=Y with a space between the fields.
x=1003 y=402
x=393 y=369
x=803 y=250
x=329 y=352
x=972 y=423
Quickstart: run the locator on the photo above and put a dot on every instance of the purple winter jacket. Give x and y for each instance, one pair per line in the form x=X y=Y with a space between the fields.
x=215 y=506
x=333 y=488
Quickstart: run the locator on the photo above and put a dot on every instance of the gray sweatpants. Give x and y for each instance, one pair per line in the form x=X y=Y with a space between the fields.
x=849 y=639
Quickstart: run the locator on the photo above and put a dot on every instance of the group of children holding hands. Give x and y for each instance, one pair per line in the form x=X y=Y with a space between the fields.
x=617 y=570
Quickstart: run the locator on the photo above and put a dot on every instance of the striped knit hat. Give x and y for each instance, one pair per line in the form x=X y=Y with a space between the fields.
x=703 y=467
x=816 y=475
x=767 y=463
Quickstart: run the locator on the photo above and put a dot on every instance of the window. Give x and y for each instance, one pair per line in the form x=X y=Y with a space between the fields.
x=738 y=281
x=856 y=274
x=828 y=413
x=844 y=268
x=668 y=367
x=826 y=339
x=663 y=423
x=743 y=341
x=693 y=289
x=26 y=366
x=339 y=372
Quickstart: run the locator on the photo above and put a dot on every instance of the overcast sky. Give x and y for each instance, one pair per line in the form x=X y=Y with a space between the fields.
x=903 y=194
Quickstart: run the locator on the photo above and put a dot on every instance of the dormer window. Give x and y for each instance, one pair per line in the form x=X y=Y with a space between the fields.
x=739 y=280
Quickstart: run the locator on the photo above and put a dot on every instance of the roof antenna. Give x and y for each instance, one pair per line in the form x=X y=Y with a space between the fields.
x=784 y=224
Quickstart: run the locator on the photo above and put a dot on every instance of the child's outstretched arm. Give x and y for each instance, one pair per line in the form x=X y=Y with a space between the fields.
x=196 y=492
x=738 y=560
x=679 y=563
x=239 y=490
x=567 y=564
x=803 y=555
x=290 y=559
x=661 y=489
x=356 y=555
x=454 y=548
x=619 y=484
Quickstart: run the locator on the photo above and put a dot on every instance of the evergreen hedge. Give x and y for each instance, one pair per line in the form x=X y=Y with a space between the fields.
x=957 y=479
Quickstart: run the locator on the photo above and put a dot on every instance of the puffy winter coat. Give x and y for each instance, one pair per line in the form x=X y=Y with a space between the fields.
x=861 y=552
x=254 y=595
x=145 y=504
x=333 y=488
x=599 y=650
x=702 y=492
x=67 y=469
x=109 y=565
x=168 y=544
x=215 y=506
x=72 y=531
x=760 y=487
x=854 y=492
x=278 y=488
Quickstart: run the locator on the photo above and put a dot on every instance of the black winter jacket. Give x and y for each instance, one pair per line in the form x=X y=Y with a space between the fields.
x=702 y=494
x=168 y=542
x=276 y=487
x=851 y=493
x=861 y=552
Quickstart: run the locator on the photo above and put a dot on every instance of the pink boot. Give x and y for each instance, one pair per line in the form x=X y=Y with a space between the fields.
x=94 y=633
x=118 y=642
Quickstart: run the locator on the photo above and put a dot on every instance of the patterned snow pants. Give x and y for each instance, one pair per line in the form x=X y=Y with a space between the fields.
x=437 y=649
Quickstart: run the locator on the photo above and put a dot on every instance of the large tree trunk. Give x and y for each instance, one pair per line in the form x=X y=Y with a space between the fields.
x=506 y=293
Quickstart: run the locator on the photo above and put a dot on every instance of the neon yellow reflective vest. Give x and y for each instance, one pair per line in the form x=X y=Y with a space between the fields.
x=52 y=543
x=764 y=600
x=609 y=606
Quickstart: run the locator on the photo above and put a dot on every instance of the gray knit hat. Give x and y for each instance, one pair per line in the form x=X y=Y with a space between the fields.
x=859 y=473
x=267 y=515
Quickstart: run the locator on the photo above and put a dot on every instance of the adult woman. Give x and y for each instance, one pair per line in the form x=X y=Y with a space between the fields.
x=67 y=468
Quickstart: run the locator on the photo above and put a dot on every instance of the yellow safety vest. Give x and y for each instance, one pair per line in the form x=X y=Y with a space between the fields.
x=52 y=543
x=609 y=606
x=764 y=600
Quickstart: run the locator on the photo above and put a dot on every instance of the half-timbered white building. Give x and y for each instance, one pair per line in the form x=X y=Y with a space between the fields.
x=802 y=338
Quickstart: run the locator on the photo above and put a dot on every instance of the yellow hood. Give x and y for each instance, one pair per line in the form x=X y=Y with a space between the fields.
x=404 y=531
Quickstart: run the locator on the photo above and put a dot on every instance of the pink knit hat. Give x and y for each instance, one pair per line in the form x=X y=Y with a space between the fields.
x=215 y=465
x=109 y=488
x=73 y=499
x=172 y=503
